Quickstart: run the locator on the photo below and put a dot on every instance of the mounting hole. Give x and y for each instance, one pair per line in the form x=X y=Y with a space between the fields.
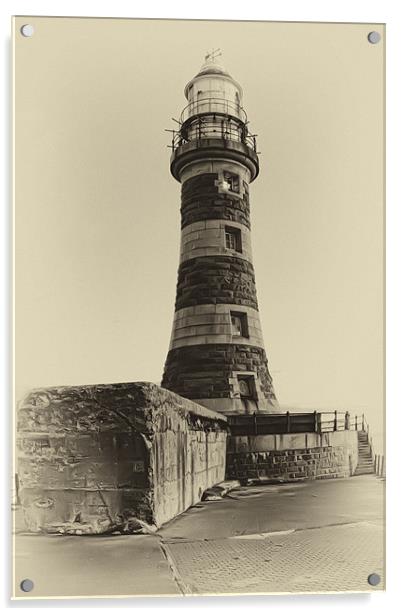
x=374 y=579
x=27 y=585
x=27 y=30
x=374 y=37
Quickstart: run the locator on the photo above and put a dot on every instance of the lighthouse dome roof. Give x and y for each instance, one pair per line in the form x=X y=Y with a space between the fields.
x=213 y=67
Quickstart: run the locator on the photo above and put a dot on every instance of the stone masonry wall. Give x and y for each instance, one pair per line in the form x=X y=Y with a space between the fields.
x=218 y=280
x=219 y=364
x=205 y=371
x=292 y=457
x=201 y=200
x=90 y=459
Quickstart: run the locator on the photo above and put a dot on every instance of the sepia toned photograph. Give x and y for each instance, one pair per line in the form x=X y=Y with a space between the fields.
x=199 y=308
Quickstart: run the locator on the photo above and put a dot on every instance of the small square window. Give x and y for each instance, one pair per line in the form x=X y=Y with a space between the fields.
x=239 y=324
x=246 y=386
x=233 y=238
x=232 y=180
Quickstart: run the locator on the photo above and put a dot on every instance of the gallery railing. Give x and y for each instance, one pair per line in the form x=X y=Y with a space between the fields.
x=293 y=423
x=212 y=118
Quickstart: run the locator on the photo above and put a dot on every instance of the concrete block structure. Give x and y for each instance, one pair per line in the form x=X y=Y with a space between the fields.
x=97 y=458
x=216 y=355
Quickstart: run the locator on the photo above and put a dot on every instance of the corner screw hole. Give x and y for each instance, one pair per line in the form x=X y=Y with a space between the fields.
x=373 y=579
x=26 y=585
x=374 y=37
x=27 y=30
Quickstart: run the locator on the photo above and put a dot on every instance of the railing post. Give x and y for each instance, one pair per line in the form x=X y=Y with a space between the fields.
x=315 y=421
x=17 y=489
x=347 y=420
x=381 y=466
x=287 y=422
x=255 y=424
x=363 y=421
x=356 y=423
x=335 y=421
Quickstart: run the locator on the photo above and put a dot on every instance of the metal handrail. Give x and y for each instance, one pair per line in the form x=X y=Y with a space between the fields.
x=210 y=131
x=342 y=420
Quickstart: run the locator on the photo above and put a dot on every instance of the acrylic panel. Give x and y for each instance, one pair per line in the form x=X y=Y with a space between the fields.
x=199 y=307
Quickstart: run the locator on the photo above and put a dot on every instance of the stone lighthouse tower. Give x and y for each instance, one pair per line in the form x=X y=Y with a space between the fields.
x=216 y=355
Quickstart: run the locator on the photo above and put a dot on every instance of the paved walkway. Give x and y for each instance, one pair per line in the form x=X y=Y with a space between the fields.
x=323 y=536
x=331 y=559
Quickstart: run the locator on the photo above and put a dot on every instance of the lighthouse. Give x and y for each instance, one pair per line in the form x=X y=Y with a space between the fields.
x=216 y=355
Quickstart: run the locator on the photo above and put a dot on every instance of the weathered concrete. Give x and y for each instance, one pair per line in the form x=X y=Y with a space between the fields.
x=218 y=491
x=293 y=456
x=97 y=458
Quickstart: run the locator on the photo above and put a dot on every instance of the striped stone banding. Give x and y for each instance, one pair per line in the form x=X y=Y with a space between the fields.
x=220 y=280
x=201 y=199
x=208 y=238
x=209 y=371
x=211 y=324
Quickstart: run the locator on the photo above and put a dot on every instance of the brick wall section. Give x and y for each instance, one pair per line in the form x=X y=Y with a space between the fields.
x=216 y=280
x=293 y=464
x=203 y=371
x=201 y=200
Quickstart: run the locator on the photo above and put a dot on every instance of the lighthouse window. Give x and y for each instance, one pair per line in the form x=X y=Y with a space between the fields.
x=233 y=238
x=246 y=386
x=239 y=324
x=232 y=180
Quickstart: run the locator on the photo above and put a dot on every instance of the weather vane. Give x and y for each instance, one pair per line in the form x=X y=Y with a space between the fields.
x=215 y=53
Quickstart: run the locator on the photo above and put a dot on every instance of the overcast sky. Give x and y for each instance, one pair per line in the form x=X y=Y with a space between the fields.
x=97 y=211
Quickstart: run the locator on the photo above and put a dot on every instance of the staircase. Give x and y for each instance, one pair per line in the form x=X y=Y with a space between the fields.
x=365 y=463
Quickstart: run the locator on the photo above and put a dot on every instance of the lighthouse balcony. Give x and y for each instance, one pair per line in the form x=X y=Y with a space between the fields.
x=210 y=147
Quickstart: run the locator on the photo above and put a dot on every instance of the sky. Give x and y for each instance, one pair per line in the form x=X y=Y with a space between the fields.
x=97 y=220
